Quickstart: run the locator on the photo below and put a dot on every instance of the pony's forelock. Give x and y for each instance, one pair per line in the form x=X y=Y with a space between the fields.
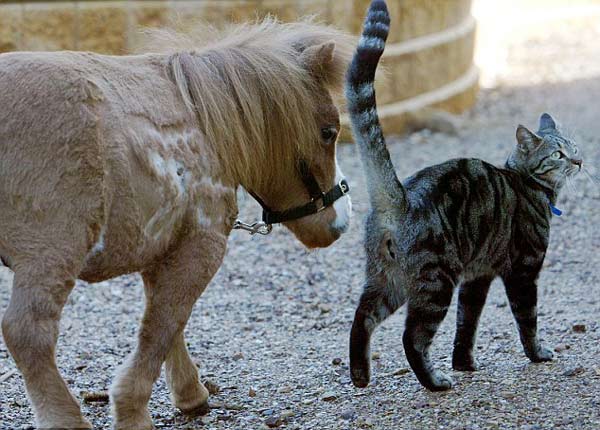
x=253 y=97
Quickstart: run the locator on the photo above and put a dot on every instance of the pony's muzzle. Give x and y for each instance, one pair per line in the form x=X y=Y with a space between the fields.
x=343 y=212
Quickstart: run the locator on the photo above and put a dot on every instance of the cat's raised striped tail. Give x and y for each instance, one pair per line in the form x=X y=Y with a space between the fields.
x=385 y=190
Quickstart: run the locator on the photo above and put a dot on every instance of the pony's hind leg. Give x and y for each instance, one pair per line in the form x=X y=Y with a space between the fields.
x=471 y=299
x=30 y=329
x=171 y=288
x=187 y=392
x=376 y=304
x=427 y=307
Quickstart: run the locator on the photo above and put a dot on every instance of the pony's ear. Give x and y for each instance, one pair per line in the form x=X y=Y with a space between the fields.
x=317 y=59
x=526 y=139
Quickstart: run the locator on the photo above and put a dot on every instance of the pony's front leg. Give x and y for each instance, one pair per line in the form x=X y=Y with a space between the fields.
x=172 y=287
x=187 y=392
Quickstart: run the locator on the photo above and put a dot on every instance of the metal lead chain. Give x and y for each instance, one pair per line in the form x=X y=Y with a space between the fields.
x=257 y=228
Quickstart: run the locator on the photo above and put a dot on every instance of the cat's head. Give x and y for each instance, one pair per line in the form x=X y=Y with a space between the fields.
x=547 y=156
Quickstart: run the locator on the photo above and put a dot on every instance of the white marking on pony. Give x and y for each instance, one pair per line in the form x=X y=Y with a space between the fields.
x=204 y=219
x=159 y=163
x=207 y=219
x=215 y=186
x=99 y=245
x=342 y=206
x=171 y=169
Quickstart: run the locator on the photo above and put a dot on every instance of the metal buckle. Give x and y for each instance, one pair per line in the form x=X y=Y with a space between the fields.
x=259 y=227
x=344 y=187
x=315 y=200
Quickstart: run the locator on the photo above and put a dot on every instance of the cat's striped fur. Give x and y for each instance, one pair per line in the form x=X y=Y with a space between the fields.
x=461 y=223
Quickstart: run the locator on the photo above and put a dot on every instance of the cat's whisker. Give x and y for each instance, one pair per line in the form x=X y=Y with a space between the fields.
x=593 y=177
x=570 y=185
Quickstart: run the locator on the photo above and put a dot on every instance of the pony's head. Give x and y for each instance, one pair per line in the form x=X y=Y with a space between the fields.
x=265 y=98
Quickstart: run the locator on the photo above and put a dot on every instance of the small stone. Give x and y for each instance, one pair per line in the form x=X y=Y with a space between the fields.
x=285 y=389
x=364 y=422
x=400 y=372
x=233 y=407
x=575 y=371
x=347 y=414
x=375 y=356
x=238 y=356
x=95 y=397
x=212 y=388
x=325 y=309
x=19 y=403
x=251 y=393
x=579 y=328
x=336 y=361
x=329 y=396
x=562 y=347
x=287 y=414
x=273 y=422
x=206 y=420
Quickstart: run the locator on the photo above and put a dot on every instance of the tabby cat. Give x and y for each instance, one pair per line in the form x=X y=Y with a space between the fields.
x=463 y=222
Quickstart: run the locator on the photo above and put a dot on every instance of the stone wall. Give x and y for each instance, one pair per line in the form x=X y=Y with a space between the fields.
x=428 y=62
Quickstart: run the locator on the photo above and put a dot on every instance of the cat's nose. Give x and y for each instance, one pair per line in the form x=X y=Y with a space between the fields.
x=577 y=162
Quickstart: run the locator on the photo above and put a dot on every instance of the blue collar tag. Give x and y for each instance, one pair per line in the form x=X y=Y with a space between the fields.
x=556 y=211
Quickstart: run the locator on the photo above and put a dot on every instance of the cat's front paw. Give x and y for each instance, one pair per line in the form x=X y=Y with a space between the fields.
x=360 y=376
x=439 y=381
x=540 y=355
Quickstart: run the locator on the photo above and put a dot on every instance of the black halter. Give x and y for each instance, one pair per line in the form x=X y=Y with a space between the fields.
x=318 y=202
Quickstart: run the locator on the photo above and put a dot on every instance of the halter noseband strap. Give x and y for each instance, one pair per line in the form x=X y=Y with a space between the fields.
x=318 y=202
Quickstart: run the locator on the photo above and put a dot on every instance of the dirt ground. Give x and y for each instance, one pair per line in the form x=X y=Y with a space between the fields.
x=269 y=327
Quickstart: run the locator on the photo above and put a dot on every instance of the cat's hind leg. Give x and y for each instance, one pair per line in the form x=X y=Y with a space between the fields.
x=471 y=299
x=376 y=304
x=427 y=307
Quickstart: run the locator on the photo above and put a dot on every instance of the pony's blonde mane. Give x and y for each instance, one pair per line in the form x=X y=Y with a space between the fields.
x=253 y=97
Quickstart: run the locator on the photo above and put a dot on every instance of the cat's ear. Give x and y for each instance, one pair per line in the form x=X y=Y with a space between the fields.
x=547 y=122
x=526 y=139
x=389 y=249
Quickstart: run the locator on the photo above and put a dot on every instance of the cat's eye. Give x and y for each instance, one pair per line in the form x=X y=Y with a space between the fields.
x=329 y=134
x=557 y=155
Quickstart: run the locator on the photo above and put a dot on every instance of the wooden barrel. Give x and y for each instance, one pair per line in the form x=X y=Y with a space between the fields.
x=428 y=61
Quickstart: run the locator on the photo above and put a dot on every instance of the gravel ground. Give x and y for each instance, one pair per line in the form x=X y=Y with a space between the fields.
x=276 y=319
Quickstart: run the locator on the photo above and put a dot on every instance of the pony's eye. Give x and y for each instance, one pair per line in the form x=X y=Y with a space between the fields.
x=557 y=155
x=329 y=134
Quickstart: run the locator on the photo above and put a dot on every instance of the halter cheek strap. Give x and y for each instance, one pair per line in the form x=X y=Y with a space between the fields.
x=318 y=202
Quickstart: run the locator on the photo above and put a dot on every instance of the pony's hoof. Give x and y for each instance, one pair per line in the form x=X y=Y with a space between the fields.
x=197 y=411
